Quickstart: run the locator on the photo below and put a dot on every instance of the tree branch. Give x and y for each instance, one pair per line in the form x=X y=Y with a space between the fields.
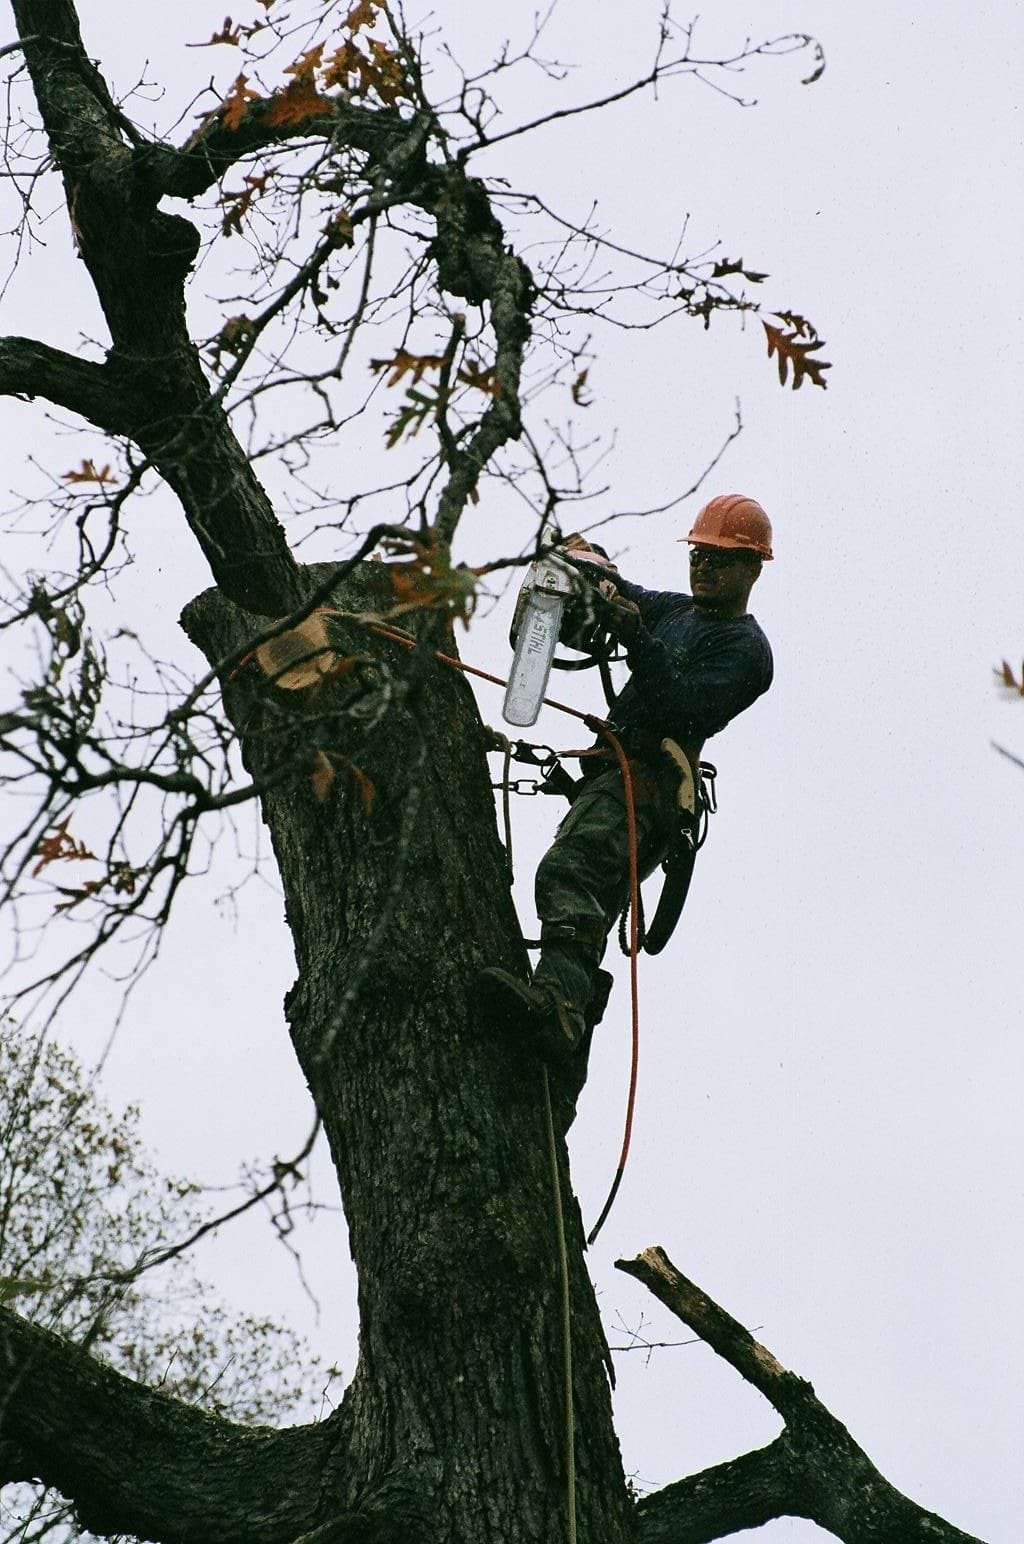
x=745 y=1493
x=32 y=369
x=139 y=1462
x=135 y=1461
x=138 y=258
x=215 y=147
x=815 y=1469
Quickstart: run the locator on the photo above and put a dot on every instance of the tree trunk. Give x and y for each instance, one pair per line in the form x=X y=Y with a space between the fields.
x=437 y=1124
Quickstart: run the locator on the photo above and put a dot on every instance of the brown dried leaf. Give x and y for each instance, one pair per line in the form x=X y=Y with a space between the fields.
x=59 y=845
x=792 y=353
x=238 y=204
x=233 y=338
x=730 y=265
x=362 y=15
x=327 y=765
x=232 y=33
x=322 y=777
x=367 y=792
x=387 y=73
x=340 y=228
x=88 y=472
x=299 y=100
x=579 y=390
x=236 y=103
x=381 y=71
x=431 y=583
x=403 y=363
x=475 y=373
x=76 y=897
x=1009 y=681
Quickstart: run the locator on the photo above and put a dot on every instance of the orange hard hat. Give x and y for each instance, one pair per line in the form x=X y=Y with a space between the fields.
x=733 y=520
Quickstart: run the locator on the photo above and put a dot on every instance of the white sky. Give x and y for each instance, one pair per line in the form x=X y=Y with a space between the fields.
x=827 y=1135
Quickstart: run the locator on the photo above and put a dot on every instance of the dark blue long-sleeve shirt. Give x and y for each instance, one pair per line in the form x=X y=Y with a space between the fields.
x=690 y=671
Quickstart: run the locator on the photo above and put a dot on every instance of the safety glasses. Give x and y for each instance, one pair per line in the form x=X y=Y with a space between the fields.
x=716 y=557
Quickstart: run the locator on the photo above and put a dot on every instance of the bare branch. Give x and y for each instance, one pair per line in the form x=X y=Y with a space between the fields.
x=30 y=369
x=815 y=1469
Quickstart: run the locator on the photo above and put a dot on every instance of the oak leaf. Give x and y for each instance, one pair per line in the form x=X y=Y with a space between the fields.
x=327 y=765
x=233 y=338
x=362 y=15
x=238 y=204
x=431 y=583
x=381 y=71
x=411 y=417
x=579 y=390
x=231 y=32
x=88 y=472
x=403 y=363
x=322 y=777
x=75 y=897
x=388 y=73
x=1009 y=681
x=59 y=845
x=793 y=352
x=729 y=265
x=299 y=100
x=340 y=228
x=236 y=104
x=481 y=376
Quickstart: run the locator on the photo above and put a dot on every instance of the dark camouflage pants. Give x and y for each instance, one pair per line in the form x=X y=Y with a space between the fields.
x=582 y=882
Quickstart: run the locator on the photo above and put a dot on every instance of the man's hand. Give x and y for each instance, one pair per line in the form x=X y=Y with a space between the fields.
x=622 y=616
x=579 y=547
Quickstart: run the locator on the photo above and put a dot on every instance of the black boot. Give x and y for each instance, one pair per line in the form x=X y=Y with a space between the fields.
x=555 y=1025
x=567 y=995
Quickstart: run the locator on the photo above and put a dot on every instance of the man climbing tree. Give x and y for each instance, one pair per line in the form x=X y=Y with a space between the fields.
x=480 y=1408
x=695 y=662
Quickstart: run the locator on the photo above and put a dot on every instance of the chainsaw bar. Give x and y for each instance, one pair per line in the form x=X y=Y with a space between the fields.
x=547 y=586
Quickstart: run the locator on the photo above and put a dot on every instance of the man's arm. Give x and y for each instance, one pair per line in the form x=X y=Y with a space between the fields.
x=699 y=694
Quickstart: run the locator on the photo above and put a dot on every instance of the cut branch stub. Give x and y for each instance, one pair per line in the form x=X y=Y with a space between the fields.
x=815 y=1469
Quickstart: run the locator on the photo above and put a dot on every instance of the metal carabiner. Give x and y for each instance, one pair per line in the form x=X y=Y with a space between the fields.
x=530 y=755
x=520 y=785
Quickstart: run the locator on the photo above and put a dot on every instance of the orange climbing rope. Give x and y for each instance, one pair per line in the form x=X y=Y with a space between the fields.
x=600 y=726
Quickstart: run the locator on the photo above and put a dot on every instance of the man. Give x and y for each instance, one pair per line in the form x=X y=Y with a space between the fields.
x=695 y=662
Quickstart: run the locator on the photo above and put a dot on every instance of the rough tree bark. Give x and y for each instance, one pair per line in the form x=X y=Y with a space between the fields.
x=437 y=1126
x=454 y=1430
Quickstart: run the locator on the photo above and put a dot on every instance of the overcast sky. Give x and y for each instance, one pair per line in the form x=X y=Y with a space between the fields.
x=828 y=1129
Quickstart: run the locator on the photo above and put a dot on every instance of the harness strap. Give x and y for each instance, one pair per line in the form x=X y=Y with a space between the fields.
x=589 y=933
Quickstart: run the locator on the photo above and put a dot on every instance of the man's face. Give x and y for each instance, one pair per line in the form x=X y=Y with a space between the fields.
x=721 y=578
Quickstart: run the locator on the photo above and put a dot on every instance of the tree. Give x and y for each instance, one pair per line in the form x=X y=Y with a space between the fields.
x=83 y=1212
x=368 y=757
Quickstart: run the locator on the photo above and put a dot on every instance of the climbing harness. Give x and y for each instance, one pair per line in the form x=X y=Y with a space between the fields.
x=696 y=801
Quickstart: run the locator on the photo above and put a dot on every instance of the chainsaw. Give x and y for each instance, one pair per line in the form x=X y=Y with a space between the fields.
x=557 y=603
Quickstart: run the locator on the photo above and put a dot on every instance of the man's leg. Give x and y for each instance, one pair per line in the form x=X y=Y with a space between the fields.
x=582 y=884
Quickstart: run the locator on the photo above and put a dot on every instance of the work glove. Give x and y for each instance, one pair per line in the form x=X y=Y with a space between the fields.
x=577 y=546
x=620 y=616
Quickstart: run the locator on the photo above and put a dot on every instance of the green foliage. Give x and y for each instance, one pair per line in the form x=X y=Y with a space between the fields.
x=81 y=1205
